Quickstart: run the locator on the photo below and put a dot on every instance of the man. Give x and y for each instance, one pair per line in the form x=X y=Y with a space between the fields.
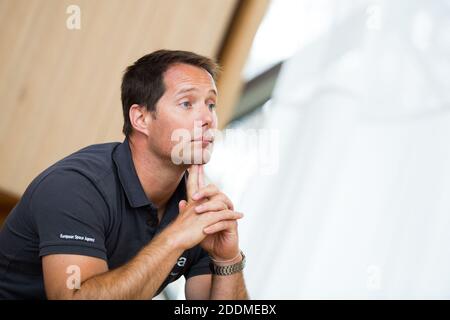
x=122 y=220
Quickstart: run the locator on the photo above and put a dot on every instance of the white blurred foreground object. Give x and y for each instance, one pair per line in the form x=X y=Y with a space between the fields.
x=359 y=206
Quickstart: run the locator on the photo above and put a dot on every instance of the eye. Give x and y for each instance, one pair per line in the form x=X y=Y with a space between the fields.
x=186 y=104
x=212 y=106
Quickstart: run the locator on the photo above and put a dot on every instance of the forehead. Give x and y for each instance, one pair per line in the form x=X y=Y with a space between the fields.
x=180 y=75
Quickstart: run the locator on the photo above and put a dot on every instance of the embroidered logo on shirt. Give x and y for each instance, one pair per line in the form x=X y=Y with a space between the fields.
x=76 y=237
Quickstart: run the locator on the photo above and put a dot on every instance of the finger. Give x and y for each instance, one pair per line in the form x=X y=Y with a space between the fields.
x=192 y=181
x=206 y=192
x=182 y=205
x=214 y=217
x=221 y=226
x=211 y=206
x=222 y=197
x=213 y=193
x=201 y=177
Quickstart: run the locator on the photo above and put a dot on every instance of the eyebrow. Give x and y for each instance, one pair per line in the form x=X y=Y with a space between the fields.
x=190 y=89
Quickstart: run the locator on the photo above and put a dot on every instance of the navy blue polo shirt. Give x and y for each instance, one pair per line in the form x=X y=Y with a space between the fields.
x=90 y=203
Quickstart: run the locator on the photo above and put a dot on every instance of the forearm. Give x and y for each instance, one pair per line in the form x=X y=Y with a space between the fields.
x=138 y=279
x=230 y=287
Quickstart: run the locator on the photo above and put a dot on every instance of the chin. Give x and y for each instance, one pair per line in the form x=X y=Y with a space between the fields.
x=202 y=157
x=206 y=157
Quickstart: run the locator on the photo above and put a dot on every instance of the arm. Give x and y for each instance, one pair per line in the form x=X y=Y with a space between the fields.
x=198 y=287
x=221 y=242
x=229 y=287
x=215 y=287
x=138 y=279
x=143 y=275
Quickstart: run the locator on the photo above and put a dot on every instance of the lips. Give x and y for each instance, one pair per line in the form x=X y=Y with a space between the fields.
x=205 y=141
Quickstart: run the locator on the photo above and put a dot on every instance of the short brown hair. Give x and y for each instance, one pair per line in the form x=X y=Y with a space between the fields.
x=143 y=81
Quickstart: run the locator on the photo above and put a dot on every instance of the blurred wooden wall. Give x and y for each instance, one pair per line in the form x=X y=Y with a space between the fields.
x=60 y=88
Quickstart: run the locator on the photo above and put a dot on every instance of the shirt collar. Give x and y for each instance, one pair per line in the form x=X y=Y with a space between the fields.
x=130 y=180
x=128 y=176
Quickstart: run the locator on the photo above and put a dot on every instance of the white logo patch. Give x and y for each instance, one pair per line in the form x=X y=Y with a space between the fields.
x=76 y=237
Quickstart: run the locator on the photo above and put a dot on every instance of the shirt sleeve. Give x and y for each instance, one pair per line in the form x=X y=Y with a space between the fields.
x=70 y=215
x=200 y=265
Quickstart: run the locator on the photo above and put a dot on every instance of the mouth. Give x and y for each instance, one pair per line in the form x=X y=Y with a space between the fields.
x=204 y=141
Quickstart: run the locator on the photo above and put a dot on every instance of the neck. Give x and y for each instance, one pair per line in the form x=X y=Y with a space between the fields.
x=159 y=177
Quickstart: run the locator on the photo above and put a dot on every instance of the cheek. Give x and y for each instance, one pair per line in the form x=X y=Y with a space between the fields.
x=159 y=133
x=175 y=130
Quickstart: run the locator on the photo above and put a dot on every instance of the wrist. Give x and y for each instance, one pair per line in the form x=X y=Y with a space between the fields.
x=171 y=240
x=228 y=269
x=218 y=261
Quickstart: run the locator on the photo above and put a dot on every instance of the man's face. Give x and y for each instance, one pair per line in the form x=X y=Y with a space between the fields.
x=187 y=109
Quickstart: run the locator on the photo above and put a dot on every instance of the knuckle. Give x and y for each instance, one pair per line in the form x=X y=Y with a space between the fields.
x=217 y=217
x=223 y=197
x=219 y=205
x=225 y=214
x=233 y=214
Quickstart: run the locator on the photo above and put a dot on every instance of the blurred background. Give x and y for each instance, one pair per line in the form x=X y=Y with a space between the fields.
x=335 y=117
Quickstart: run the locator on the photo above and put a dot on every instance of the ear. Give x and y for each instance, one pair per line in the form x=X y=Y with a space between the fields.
x=140 y=118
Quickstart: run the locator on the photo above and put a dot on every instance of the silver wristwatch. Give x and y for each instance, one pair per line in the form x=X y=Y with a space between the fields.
x=228 y=270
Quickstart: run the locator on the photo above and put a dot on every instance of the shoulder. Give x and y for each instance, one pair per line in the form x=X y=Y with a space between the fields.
x=94 y=161
x=90 y=164
x=80 y=175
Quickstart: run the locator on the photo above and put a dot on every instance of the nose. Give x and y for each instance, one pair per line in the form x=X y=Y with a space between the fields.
x=206 y=117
